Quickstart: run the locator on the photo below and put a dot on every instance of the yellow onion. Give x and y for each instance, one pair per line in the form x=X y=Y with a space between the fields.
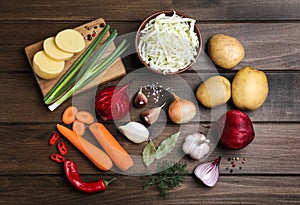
x=181 y=110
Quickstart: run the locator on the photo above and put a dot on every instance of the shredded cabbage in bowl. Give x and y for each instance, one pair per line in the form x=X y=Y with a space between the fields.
x=168 y=43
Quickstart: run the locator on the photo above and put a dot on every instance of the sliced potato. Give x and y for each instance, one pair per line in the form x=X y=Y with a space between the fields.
x=54 y=52
x=46 y=67
x=70 y=40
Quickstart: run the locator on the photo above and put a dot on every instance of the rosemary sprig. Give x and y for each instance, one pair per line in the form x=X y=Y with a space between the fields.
x=168 y=177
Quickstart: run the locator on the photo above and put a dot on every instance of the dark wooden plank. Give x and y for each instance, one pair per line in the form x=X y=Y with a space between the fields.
x=20 y=93
x=138 y=10
x=25 y=149
x=128 y=190
x=267 y=46
x=265 y=49
x=269 y=31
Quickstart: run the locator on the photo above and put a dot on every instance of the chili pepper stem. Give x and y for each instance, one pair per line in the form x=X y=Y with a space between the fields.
x=109 y=181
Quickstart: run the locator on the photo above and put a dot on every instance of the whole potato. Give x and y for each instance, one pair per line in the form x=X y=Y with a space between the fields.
x=249 y=88
x=225 y=51
x=214 y=91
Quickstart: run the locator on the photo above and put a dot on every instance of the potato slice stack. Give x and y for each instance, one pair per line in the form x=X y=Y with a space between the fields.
x=50 y=62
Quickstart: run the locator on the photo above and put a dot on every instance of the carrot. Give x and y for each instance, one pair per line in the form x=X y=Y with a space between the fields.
x=69 y=115
x=96 y=155
x=112 y=147
x=78 y=127
x=85 y=117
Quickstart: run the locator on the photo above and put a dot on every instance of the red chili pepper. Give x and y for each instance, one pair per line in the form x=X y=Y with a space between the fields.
x=54 y=138
x=88 y=187
x=57 y=158
x=62 y=148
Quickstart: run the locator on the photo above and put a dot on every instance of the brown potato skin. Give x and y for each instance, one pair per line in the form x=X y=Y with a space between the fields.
x=225 y=51
x=213 y=92
x=249 y=88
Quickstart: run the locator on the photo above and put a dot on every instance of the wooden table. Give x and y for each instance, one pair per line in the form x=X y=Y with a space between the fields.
x=270 y=32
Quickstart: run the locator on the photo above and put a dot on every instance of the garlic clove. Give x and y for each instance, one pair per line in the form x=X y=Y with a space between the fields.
x=188 y=147
x=135 y=132
x=200 y=152
x=151 y=115
x=140 y=99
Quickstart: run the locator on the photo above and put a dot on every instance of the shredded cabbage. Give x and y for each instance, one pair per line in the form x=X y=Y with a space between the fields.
x=168 y=43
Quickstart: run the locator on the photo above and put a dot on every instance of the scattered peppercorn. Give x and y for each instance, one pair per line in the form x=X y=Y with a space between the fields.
x=89 y=37
x=102 y=25
x=94 y=34
x=235 y=163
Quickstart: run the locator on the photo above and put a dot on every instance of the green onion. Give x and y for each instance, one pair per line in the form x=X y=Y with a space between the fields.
x=89 y=63
x=60 y=87
x=91 y=73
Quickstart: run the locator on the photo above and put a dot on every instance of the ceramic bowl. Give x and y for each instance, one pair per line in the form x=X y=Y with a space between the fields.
x=167 y=13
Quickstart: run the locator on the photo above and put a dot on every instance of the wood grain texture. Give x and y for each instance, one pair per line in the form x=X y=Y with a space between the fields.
x=115 y=71
x=271 y=152
x=265 y=49
x=269 y=30
x=137 y=10
x=282 y=104
x=128 y=190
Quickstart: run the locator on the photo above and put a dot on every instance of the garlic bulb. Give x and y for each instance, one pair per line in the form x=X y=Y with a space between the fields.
x=135 y=131
x=196 y=145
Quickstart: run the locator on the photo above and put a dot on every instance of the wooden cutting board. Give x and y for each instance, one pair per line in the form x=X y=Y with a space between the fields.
x=90 y=29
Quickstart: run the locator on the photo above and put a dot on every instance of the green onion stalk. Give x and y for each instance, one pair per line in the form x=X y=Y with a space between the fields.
x=66 y=81
x=91 y=73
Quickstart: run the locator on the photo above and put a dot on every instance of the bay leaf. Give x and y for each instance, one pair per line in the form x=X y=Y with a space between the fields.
x=149 y=153
x=166 y=146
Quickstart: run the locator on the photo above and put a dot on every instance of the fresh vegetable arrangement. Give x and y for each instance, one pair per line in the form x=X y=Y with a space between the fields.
x=92 y=68
x=57 y=89
x=49 y=62
x=234 y=129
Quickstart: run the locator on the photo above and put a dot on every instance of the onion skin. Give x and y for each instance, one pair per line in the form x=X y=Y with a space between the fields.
x=181 y=110
x=208 y=172
x=235 y=129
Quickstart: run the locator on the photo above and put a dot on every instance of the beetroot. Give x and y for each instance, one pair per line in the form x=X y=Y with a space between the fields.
x=112 y=103
x=235 y=129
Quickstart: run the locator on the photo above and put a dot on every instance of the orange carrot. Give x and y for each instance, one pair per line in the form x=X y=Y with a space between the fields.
x=85 y=117
x=96 y=155
x=112 y=147
x=69 y=115
x=78 y=127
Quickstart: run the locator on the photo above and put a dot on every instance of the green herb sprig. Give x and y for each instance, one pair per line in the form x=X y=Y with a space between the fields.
x=168 y=177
